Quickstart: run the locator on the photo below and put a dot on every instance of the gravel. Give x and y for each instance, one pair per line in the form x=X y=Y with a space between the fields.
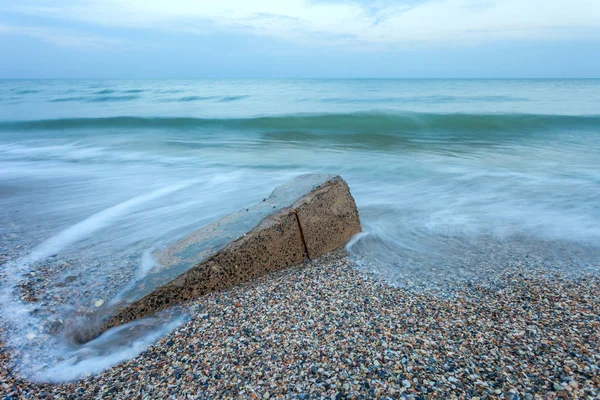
x=325 y=330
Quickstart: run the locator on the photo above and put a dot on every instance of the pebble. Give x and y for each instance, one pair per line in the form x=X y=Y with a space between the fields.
x=99 y=303
x=308 y=332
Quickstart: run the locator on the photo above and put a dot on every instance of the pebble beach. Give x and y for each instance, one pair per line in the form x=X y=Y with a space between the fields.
x=327 y=330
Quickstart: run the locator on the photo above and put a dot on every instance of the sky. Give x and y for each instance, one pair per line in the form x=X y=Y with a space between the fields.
x=299 y=39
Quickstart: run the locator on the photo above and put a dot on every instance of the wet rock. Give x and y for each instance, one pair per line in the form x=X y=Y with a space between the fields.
x=307 y=217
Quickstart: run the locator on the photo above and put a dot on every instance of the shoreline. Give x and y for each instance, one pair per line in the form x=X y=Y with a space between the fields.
x=325 y=329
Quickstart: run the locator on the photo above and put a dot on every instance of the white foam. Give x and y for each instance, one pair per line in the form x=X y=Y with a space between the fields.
x=94 y=223
x=355 y=239
x=90 y=359
x=146 y=263
x=17 y=313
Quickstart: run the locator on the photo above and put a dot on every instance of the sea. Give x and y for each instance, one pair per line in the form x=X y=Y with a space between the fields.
x=455 y=181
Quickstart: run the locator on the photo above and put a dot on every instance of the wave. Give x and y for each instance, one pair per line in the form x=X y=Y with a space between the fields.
x=219 y=99
x=190 y=98
x=127 y=95
x=227 y=99
x=94 y=99
x=112 y=98
x=381 y=123
x=26 y=91
x=441 y=99
x=93 y=223
x=18 y=314
x=67 y=99
x=111 y=91
x=105 y=91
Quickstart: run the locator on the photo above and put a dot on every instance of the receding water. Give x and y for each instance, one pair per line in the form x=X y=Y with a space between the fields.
x=448 y=175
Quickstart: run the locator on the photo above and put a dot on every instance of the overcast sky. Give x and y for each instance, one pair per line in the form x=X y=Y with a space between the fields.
x=299 y=38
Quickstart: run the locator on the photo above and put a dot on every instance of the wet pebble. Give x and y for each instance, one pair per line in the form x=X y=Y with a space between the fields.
x=325 y=330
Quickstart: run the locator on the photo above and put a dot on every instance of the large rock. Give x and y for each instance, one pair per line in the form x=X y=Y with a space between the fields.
x=310 y=216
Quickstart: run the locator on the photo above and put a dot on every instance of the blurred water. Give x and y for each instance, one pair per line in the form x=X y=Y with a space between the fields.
x=94 y=174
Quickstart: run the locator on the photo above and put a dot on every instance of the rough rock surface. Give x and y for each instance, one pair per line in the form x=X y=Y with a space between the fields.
x=310 y=216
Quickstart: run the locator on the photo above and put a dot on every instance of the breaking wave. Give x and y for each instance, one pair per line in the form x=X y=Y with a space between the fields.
x=352 y=122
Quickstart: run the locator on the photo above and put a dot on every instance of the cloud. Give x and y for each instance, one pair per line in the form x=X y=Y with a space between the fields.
x=59 y=37
x=364 y=23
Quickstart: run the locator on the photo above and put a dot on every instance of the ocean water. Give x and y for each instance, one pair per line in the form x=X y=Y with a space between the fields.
x=452 y=178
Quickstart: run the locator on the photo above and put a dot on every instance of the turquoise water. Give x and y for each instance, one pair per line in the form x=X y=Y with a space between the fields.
x=446 y=173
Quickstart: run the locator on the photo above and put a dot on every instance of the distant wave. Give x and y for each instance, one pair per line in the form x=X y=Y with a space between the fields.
x=440 y=99
x=105 y=91
x=26 y=91
x=112 y=98
x=167 y=91
x=219 y=99
x=233 y=98
x=66 y=99
x=93 y=99
x=189 y=98
x=111 y=91
x=357 y=123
